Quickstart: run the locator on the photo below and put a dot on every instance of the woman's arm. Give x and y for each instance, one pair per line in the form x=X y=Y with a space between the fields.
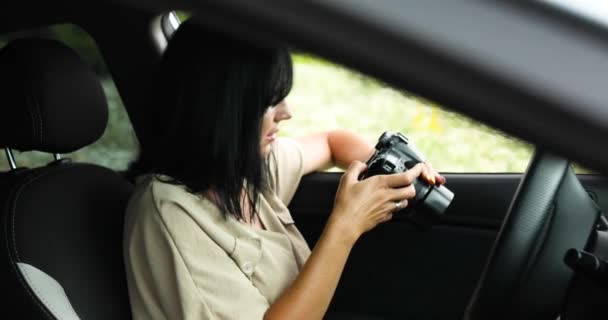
x=339 y=148
x=336 y=148
x=309 y=295
x=358 y=208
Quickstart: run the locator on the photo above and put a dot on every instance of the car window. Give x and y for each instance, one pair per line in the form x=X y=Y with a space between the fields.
x=116 y=148
x=327 y=96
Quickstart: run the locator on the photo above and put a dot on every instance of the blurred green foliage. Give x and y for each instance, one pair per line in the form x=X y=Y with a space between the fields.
x=117 y=146
x=327 y=96
x=183 y=15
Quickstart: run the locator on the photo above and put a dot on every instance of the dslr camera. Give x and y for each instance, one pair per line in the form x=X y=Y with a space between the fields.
x=395 y=153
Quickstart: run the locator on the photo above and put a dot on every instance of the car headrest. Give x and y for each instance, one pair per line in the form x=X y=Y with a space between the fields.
x=51 y=100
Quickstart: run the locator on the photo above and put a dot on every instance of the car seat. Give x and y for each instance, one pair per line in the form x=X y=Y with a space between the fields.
x=61 y=223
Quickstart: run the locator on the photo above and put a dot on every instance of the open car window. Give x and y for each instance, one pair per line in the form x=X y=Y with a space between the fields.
x=116 y=148
x=327 y=96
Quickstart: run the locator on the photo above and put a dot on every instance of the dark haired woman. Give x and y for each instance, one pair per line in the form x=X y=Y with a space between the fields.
x=208 y=234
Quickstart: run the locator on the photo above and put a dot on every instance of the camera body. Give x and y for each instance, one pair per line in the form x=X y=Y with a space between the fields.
x=394 y=154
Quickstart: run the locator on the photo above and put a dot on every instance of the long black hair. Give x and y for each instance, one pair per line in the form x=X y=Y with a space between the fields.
x=202 y=127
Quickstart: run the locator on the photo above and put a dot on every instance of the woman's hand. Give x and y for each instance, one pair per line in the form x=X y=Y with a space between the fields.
x=431 y=175
x=362 y=205
x=359 y=207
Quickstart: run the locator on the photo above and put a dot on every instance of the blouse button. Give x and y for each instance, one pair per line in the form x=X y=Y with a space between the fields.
x=248 y=267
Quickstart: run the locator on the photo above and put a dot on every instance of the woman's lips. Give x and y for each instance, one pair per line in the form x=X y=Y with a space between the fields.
x=272 y=135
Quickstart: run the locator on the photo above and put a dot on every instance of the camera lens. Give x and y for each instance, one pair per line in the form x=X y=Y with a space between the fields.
x=437 y=200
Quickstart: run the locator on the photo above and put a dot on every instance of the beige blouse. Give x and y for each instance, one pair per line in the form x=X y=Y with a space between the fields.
x=184 y=260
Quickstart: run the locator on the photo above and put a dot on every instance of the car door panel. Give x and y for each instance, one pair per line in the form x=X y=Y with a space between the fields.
x=399 y=272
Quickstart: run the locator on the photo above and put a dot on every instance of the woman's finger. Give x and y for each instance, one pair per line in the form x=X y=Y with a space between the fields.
x=403 y=193
x=353 y=172
x=401 y=179
x=414 y=173
x=400 y=204
x=387 y=217
x=439 y=179
x=429 y=173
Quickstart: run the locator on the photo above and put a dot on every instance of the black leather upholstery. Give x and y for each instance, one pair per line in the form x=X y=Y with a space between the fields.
x=525 y=277
x=55 y=103
x=64 y=219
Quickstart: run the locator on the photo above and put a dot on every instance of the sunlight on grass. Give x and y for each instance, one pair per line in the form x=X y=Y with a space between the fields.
x=326 y=96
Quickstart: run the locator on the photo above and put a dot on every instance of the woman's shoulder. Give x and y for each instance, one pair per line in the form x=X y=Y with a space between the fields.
x=162 y=186
x=286 y=157
x=159 y=190
x=287 y=145
x=158 y=203
x=286 y=168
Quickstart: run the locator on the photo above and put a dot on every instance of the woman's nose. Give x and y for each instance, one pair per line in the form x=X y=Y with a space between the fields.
x=283 y=111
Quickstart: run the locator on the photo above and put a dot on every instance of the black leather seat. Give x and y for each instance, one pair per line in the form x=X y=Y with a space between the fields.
x=61 y=223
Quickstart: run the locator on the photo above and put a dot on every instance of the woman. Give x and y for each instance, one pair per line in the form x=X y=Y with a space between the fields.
x=208 y=234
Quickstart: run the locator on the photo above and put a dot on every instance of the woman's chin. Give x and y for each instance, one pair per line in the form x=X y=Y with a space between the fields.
x=266 y=148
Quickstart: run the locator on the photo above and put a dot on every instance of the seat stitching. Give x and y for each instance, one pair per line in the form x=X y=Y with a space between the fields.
x=32 y=117
x=16 y=257
x=40 y=124
x=14 y=235
x=39 y=295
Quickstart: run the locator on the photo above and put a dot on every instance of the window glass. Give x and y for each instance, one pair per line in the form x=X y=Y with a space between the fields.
x=116 y=148
x=182 y=15
x=327 y=96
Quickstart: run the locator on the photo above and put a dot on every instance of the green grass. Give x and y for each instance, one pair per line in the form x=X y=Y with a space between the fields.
x=327 y=96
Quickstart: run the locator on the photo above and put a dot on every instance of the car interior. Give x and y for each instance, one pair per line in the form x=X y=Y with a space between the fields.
x=499 y=251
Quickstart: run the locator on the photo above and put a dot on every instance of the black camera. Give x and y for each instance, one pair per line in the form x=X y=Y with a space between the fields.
x=395 y=153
